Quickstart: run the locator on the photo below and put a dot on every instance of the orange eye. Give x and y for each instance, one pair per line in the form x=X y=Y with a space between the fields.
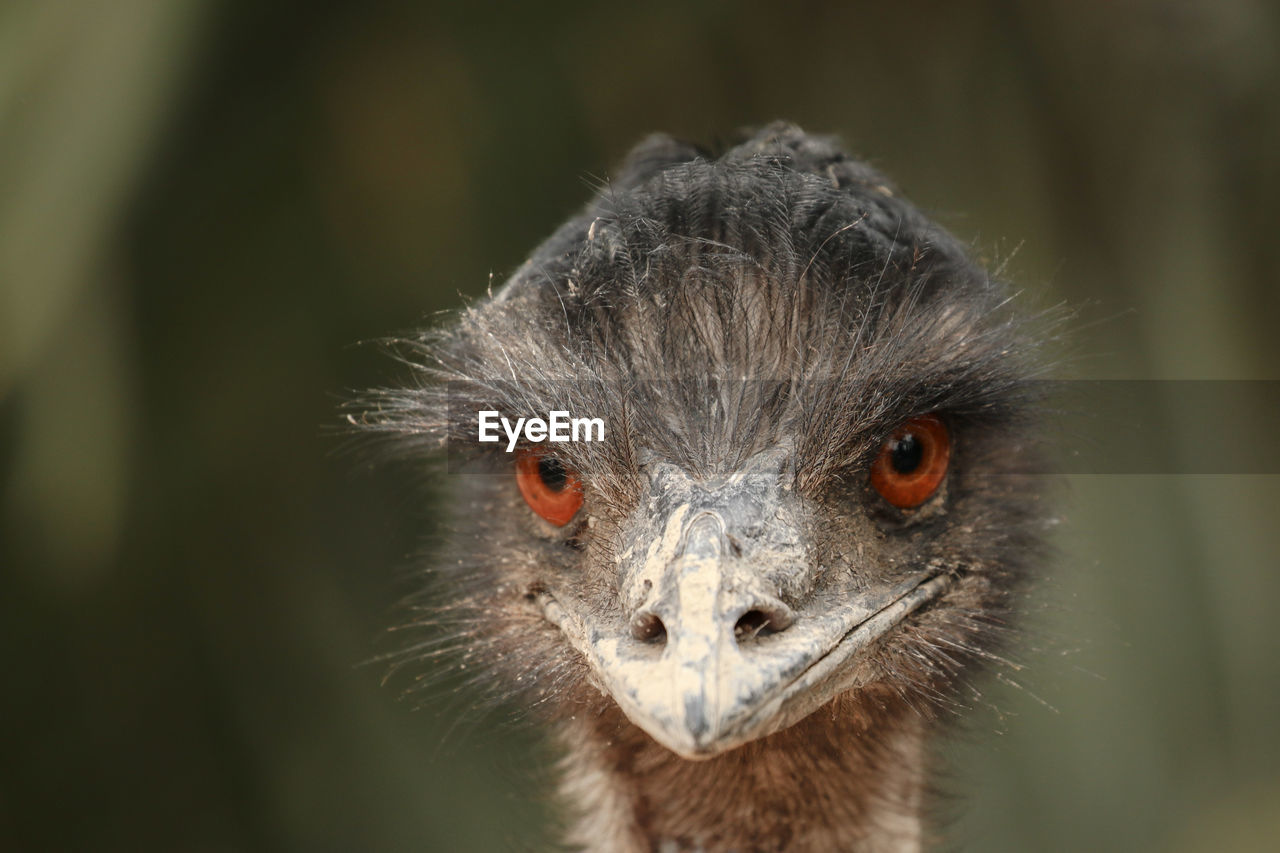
x=550 y=489
x=912 y=462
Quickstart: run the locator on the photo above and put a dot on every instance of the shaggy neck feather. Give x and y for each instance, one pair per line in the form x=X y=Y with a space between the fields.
x=842 y=779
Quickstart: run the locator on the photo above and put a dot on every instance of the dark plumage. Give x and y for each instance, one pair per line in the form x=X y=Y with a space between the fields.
x=753 y=329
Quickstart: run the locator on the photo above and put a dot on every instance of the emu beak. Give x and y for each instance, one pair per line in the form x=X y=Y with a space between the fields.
x=710 y=656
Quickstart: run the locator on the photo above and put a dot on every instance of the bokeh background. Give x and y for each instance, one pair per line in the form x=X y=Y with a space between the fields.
x=205 y=203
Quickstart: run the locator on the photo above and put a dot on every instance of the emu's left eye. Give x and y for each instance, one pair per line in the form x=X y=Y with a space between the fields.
x=912 y=462
x=549 y=488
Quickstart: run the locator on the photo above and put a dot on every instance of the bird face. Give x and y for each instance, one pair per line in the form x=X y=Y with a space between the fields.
x=809 y=492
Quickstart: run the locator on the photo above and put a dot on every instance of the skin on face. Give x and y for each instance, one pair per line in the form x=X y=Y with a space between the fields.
x=711 y=657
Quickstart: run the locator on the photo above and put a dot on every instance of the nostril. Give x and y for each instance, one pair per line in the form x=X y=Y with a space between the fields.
x=750 y=624
x=647 y=627
x=761 y=620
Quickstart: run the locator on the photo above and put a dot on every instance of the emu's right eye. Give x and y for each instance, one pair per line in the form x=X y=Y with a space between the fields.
x=912 y=462
x=549 y=488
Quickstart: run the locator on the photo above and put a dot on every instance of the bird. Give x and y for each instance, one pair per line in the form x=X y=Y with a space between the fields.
x=748 y=607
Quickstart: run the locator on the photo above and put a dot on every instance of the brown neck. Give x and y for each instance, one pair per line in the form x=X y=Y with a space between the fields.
x=843 y=779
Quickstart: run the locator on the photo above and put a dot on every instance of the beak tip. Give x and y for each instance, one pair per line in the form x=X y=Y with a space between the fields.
x=695 y=748
x=696 y=736
x=695 y=718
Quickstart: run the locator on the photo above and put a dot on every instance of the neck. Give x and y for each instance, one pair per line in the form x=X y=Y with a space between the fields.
x=842 y=779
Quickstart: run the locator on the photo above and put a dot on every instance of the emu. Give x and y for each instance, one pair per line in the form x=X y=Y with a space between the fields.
x=747 y=612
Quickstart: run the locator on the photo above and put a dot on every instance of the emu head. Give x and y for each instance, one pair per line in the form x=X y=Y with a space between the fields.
x=808 y=487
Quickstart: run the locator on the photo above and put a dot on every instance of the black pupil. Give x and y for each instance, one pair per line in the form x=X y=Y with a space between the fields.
x=906 y=454
x=553 y=475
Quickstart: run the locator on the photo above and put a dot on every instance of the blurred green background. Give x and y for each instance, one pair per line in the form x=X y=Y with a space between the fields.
x=204 y=203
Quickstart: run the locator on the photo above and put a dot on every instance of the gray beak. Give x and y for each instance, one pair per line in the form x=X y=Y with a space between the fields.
x=710 y=655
